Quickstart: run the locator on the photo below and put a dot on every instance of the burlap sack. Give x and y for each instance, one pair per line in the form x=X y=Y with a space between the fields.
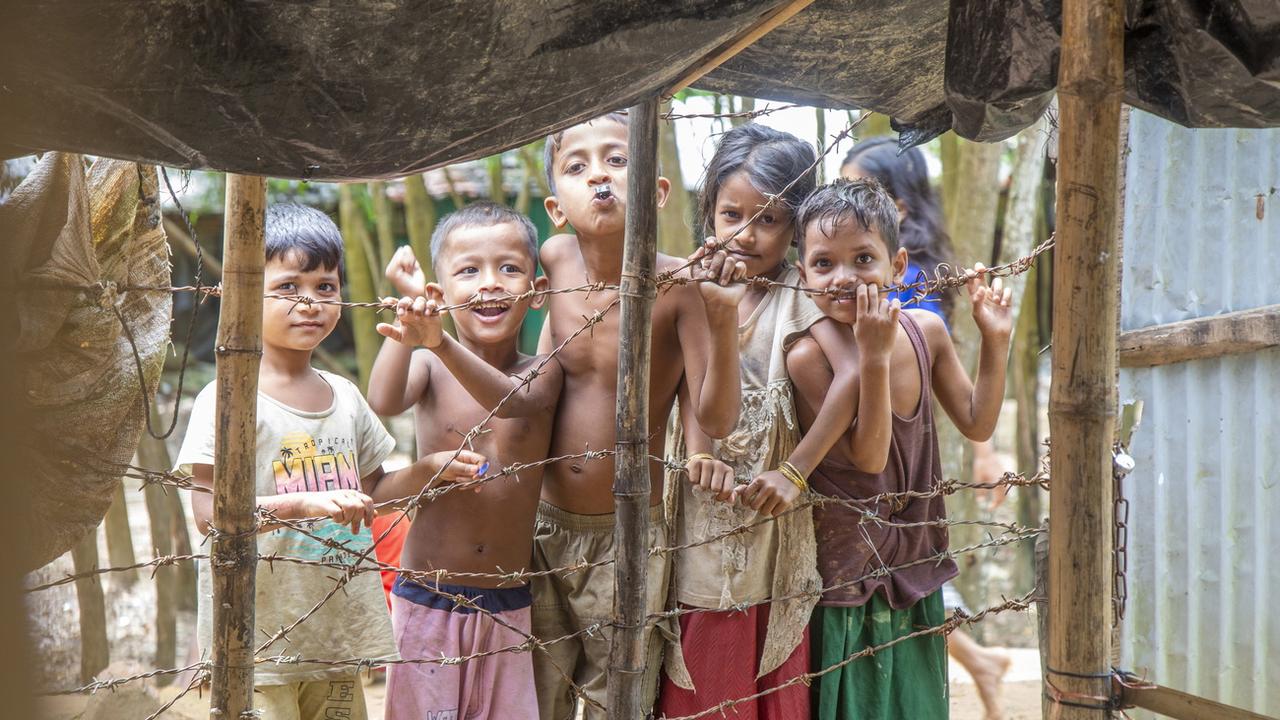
x=99 y=232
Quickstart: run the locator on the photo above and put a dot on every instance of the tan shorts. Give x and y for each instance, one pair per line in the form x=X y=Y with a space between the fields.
x=566 y=603
x=341 y=697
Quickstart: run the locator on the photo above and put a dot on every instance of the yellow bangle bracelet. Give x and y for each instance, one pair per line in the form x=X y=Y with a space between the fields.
x=700 y=456
x=790 y=472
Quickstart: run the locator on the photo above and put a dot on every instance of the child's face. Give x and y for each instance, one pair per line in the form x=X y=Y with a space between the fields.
x=842 y=256
x=488 y=262
x=763 y=244
x=290 y=325
x=590 y=173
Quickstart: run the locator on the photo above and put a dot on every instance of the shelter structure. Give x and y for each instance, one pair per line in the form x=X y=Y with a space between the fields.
x=337 y=91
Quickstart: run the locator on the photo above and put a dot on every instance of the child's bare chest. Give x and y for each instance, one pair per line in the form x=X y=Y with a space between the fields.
x=446 y=417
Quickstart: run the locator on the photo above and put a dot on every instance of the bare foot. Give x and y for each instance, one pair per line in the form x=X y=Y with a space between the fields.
x=988 y=675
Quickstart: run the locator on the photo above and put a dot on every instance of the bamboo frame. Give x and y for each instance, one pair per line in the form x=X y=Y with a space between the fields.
x=234 y=556
x=631 y=484
x=1082 y=403
x=1183 y=706
x=725 y=52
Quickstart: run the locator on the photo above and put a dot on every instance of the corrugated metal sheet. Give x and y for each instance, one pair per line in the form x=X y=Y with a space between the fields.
x=1204 y=529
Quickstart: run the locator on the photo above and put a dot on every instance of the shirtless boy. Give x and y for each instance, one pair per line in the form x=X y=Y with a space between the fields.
x=694 y=336
x=484 y=251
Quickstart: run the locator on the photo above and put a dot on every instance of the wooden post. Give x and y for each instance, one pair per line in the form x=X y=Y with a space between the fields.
x=154 y=455
x=120 y=539
x=631 y=484
x=95 y=651
x=1082 y=400
x=238 y=351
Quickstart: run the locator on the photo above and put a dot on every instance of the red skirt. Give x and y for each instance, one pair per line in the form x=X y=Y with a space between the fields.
x=722 y=653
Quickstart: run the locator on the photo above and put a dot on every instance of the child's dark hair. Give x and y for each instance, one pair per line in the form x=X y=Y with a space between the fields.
x=484 y=214
x=905 y=175
x=863 y=200
x=293 y=228
x=552 y=146
x=772 y=160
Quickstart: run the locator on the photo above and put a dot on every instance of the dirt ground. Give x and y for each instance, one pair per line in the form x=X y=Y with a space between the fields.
x=1021 y=698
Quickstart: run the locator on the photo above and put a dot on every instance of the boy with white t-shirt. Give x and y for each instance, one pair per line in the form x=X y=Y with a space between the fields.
x=319 y=453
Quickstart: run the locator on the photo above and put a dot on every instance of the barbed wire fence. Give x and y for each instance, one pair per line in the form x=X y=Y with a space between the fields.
x=346 y=562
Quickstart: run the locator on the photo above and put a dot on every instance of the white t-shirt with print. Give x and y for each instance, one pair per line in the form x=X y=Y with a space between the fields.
x=302 y=451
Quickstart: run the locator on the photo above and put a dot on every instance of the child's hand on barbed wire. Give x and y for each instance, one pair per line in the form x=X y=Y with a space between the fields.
x=711 y=474
x=992 y=306
x=405 y=274
x=345 y=507
x=468 y=465
x=718 y=274
x=418 y=322
x=769 y=494
x=876 y=325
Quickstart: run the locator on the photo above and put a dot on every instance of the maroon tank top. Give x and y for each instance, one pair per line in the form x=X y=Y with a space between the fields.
x=852 y=544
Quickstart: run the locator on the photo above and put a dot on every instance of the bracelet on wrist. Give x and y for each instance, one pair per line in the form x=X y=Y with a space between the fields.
x=700 y=456
x=790 y=472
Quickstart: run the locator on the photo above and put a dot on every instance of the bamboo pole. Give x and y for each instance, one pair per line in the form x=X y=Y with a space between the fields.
x=154 y=455
x=1183 y=706
x=736 y=45
x=238 y=351
x=631 y=486
x=1082 y=401
x=120 y=539
x=95 y=651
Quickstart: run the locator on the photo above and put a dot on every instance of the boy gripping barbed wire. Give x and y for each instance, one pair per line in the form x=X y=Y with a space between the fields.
x=319 y=453
x=484 y=252
x=694 y=337
x=848 y=243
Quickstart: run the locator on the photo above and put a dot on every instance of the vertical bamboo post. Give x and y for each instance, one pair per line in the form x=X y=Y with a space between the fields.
x=631 y=484
x=1082 y=404
x=238 y=351
x=95 y=649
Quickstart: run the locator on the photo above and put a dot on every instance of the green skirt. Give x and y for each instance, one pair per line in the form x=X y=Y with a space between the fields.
x=907 y=681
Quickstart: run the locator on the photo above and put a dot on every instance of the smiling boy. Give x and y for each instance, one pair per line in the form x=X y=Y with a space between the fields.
x=694 y=336
x=319 y=453
x=881 y=548
x=484 y=252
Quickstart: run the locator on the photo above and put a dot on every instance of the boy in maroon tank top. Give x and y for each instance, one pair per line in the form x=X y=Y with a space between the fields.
x=881 y=569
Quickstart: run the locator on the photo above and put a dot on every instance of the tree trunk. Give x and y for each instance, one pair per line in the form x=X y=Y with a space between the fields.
x=420 y=220
x=383 y=228
x=874 y=126
x=820 y=115
x=1026 y=389
x=238 y=350
x=94 y=650
x=675 y=221
x=153 y=455
x=359 y=279
x=949 y=152
x=187 y=580
x=493 y=167
x=972 y=230
x=119 y=539
x=454 y=195
x=745 y=104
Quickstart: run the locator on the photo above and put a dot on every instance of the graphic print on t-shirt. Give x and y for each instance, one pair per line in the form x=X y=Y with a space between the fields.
x=319 y=464
x=308 y=464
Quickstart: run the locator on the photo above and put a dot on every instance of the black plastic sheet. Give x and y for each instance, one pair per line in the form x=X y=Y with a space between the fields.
x=339 y=90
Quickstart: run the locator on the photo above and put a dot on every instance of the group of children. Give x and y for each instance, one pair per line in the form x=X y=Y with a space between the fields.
x=794 y=409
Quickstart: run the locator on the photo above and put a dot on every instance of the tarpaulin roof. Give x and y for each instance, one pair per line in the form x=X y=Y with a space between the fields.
x=334 y=89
